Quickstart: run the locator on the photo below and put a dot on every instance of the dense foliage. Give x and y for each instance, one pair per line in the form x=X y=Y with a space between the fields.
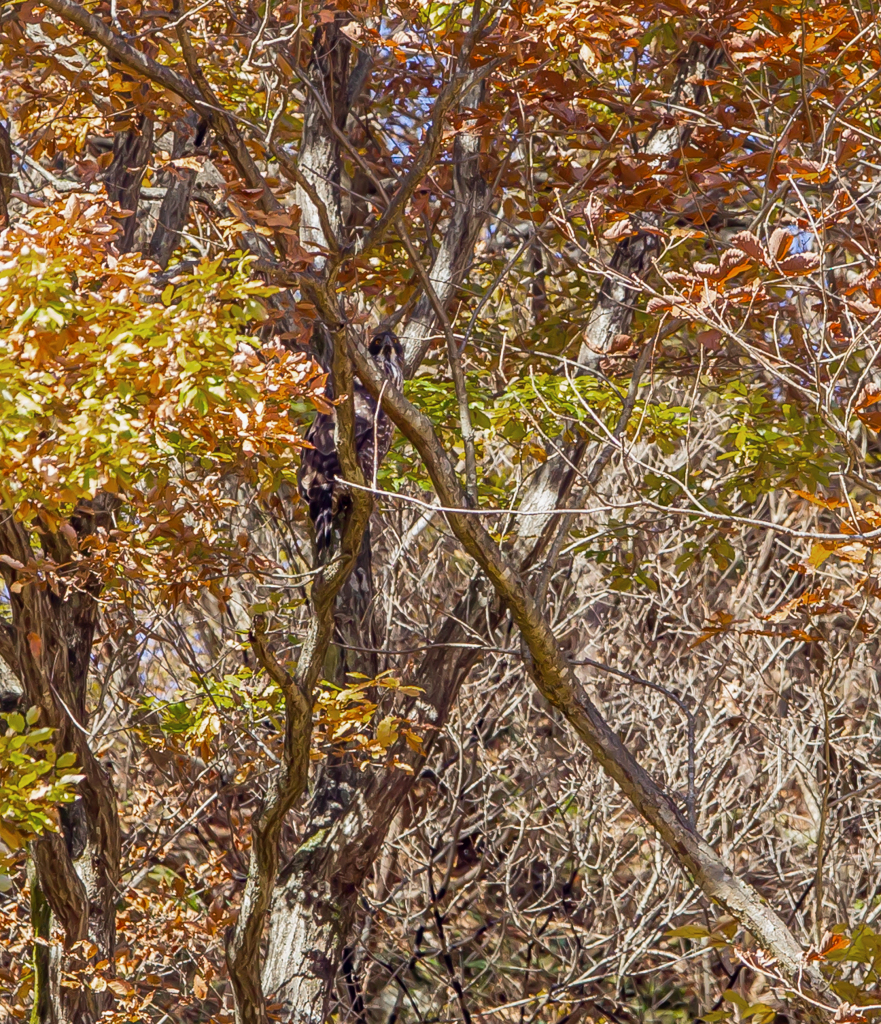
x=581 y=721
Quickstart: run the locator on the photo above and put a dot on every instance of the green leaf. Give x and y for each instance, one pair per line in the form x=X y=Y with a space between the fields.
x=689 y=931
x=730 y=996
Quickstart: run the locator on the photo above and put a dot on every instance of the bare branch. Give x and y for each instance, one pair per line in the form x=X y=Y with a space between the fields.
x=455 y=360
x=557 y=683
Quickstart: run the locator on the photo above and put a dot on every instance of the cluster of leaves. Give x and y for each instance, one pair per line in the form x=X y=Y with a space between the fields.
x=345 y=719
x=850 y=959
x=155 y=391
x=344 y=712
x=33 y=782
x=113 y=380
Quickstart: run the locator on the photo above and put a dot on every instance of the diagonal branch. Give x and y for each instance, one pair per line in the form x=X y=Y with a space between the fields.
x=556 y=681
x=460 y=84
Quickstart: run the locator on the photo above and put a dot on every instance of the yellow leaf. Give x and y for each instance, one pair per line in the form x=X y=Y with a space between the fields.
x=688 y=931
x=414 y=742
x=387 y=731
x=11 y=838
x=819 y=554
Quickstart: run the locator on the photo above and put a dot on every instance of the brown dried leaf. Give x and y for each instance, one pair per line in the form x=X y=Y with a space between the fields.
x=801 y=263
x=658 y=305
x=747 y=242
x=732 y=262
x=710 y=339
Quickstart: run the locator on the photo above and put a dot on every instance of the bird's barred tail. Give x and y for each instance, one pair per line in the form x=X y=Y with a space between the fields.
x=321 y=514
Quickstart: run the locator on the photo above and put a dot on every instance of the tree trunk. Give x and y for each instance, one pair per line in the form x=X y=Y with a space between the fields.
x=75 y=872
x=131 y=154
x=179 y=181
x=319 y=158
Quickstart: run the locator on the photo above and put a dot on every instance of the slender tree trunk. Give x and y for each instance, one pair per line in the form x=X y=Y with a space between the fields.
x=319 y=158
x=6 y=177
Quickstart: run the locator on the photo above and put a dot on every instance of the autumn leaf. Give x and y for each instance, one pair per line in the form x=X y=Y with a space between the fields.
x=780 y=242
x=35 y=645
x=750 y=244
x=819 y=553
x=387 y=732
x=802 y=263
x=867 y=405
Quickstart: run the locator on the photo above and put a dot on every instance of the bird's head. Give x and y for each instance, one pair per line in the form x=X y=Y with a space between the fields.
x=388 y=355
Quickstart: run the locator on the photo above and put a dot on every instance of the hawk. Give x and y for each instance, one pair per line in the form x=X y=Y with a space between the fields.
x=319 y=474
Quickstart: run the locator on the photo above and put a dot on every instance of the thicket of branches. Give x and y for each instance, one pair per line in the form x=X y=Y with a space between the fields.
x=581 y=719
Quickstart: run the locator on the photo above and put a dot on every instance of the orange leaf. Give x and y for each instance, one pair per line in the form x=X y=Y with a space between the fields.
x=835 y=942
x=867 y=408
x=35 y=644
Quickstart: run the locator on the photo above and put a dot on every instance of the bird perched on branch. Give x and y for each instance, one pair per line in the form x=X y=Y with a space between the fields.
x=319 y=476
